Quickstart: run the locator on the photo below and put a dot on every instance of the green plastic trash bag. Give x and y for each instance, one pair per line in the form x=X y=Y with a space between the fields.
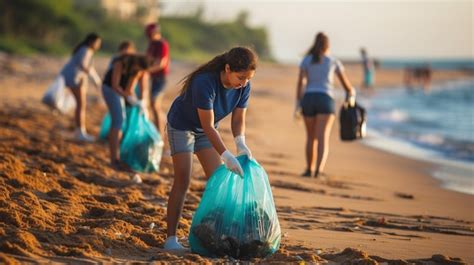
x=141 y=146
x=107 y=120
x=236 y=216
x=107 y=123
x=105 y=127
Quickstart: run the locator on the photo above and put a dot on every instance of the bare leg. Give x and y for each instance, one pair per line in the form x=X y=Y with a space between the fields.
x=114 y=143
x=310 y=123
x=182 y=163
x=80 y=113
x=324 y=124
x=210 y=160
x=159 y=117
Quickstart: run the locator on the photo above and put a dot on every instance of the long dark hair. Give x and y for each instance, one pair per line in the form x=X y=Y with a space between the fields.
x=321 y=44
x=133 y=63
x=239 y=59
x=88 y=40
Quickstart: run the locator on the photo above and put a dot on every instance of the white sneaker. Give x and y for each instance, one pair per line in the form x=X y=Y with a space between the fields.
x=84 y=137
x=172 y=243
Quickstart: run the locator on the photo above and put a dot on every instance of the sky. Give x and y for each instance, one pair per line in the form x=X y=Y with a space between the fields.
x=388 y=29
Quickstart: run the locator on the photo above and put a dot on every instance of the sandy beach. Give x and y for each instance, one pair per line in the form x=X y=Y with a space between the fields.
x=61 y=202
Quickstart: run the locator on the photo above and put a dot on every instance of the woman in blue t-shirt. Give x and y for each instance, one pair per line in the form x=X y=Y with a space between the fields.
x=315 y=97
x=210 y=93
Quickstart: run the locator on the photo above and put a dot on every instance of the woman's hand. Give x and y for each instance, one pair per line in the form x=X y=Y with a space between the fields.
x=206 y=117
x=132 y=100
x=232 y=163
x=242 y=148
x=297 y=111
x=95 y=77
x=351 y=98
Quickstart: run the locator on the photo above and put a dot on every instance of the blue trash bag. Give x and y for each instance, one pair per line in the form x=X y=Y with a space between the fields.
x=141 y=147
x=105 y=127
x=107 y=120
x=236 y=216
x=107 y=123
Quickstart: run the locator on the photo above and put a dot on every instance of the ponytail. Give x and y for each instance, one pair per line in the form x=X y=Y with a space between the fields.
x=321 y=44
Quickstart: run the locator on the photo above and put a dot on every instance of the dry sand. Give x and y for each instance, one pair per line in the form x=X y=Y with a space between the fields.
x=60 y=202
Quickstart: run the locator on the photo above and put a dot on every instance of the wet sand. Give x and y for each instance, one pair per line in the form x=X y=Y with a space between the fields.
x=61 y=202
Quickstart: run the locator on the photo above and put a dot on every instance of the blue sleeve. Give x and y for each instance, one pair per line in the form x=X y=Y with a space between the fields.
x=304 y=63
x=244 y=100
x=203 y=92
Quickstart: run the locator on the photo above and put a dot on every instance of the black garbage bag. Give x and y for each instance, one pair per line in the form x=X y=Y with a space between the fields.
x=353 y=121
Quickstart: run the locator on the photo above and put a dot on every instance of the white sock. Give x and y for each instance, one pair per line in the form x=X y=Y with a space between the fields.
x=81 y=131
x=172 y=243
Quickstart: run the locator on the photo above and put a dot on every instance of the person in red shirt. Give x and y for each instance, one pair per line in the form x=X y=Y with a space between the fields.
x=158 y=50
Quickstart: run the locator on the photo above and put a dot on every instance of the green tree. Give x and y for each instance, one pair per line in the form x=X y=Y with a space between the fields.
x=52 y=26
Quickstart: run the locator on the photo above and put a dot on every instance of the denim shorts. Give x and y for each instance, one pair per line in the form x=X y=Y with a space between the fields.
x=157 y=86
x=74 y=82
x=116 y=105
x=186 y=141
x=317 y=103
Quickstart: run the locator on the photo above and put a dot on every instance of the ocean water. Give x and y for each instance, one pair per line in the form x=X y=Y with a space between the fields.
x=437 y=126
x=467 y=64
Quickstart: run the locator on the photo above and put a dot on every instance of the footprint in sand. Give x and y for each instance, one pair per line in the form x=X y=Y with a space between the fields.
x=278 y=155
x=266 y=162
x=399 y=227
x=295 y=186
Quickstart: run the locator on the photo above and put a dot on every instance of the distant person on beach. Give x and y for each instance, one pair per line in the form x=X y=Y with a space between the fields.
x=76 y=72
x=128 y=70
x=368 y=67
x=158 y=50
x=315 y=97
x=419 y=75
x=210 y=93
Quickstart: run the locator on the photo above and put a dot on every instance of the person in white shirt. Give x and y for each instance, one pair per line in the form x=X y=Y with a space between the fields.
x=314 y=96
x=76 y=72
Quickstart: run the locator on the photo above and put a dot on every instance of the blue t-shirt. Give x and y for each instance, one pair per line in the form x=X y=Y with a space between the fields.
x=206 y=92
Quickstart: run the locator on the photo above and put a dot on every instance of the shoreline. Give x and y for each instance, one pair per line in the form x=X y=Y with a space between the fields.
x=443 y=165
x=454 y=174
